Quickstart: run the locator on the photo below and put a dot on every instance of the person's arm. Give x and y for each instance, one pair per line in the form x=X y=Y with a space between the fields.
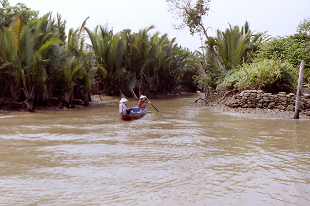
x=124 y=108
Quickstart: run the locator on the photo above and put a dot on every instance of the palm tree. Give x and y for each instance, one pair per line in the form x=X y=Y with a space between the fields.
x=231 y=45
x=136 y=57
x=88 y=63
x=57 y=60
x=108 y=50
x=25 y=52
x=138 y=63
x=163 y=70
x=35 y=43
x=7 y=60
x=70 y=75
x=91 y=70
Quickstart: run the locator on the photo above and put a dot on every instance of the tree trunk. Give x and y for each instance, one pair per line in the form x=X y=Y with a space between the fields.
x=86 y=97
x=51 y=88
x=29 y=105
x=299 y=89
x=213 y=53
x=68 y=96
x=219 y=63
x=29 y=97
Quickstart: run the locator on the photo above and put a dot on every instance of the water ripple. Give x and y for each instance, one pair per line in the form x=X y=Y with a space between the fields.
x=196 y=157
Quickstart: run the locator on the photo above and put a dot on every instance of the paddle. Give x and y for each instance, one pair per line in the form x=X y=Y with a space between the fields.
x=152 y=104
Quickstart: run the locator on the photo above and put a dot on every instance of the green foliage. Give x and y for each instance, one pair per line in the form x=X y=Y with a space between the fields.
x=231 y=45
x=209 y=75
x=108 y=51
x=268 y=75
x=8 y=13
x=235 y=46
x=60 y=27
x=141 y=62
x=191 y=12
x=38 y=62
x=293 y=49
x=304 y=26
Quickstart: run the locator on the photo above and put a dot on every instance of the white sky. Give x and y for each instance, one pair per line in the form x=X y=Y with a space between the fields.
x=278 y=17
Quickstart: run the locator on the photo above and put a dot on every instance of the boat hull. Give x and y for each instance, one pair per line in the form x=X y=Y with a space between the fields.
x=135 y=114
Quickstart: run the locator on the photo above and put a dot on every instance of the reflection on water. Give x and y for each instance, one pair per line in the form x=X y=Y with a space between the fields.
x=184 y=155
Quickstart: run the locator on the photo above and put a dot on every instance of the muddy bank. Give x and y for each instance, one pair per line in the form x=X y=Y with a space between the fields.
x=220 y=106
x=8 y=106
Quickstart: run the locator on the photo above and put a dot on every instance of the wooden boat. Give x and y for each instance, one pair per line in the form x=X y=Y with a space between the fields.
x=136 y=113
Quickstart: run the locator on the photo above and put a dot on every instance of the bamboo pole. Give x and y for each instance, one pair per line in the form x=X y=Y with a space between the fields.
x=133 y=93
x=299 y=89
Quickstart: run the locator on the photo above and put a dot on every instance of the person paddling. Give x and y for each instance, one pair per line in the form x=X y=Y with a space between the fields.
x=142 y=100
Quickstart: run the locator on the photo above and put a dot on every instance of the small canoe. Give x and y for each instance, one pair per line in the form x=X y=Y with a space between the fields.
x=135 y=114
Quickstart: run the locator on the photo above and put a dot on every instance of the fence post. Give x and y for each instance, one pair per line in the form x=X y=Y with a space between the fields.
x=299 y=89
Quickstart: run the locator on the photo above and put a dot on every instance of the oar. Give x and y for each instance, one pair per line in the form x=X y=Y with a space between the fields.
x=152 y=104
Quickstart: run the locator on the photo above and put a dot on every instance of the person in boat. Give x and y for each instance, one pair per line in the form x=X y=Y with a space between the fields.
x=142 y=100
x=123 y=107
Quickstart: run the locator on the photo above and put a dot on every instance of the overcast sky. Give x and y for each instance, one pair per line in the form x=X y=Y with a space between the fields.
x=278 y=17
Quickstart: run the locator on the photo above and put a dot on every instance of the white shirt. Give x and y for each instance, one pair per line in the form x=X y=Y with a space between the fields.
x=122 y=107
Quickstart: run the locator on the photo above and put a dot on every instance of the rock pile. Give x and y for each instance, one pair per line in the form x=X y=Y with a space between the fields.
x=259 y=99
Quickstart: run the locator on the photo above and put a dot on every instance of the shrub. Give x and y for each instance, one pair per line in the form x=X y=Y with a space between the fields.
x=268 y=75
x=292 y=48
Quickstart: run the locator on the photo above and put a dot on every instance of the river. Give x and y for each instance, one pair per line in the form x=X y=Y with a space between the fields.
x=184 y=155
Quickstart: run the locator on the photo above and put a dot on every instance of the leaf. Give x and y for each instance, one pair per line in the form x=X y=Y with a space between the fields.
x=16 y=31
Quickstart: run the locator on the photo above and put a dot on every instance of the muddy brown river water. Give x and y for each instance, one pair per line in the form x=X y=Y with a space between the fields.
x=184 y=155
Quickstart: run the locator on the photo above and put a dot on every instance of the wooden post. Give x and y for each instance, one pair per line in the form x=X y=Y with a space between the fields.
x=299 y=89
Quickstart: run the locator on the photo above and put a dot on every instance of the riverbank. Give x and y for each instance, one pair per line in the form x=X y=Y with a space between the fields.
x=218 y=105
x=8 y=106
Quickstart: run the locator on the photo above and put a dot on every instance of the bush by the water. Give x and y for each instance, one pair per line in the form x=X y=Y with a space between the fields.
x=293 y=48
x=268 y=75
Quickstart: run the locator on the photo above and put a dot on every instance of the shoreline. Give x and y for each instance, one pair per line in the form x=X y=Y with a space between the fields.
x=100 y=101
x=253 y=112
x=257 y=112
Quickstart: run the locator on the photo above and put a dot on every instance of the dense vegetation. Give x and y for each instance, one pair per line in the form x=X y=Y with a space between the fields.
x=40 y=63
x=237 y=58
x=265 y=74
x=140 y=63
x=270 y=64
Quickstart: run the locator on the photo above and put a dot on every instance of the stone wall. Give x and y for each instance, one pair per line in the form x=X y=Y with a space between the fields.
x=259 y=99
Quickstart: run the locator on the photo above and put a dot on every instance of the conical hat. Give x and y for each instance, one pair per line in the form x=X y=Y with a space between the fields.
x=123 y=100
x=142 y=97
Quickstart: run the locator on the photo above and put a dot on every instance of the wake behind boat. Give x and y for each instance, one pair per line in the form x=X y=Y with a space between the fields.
x=135 y=113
